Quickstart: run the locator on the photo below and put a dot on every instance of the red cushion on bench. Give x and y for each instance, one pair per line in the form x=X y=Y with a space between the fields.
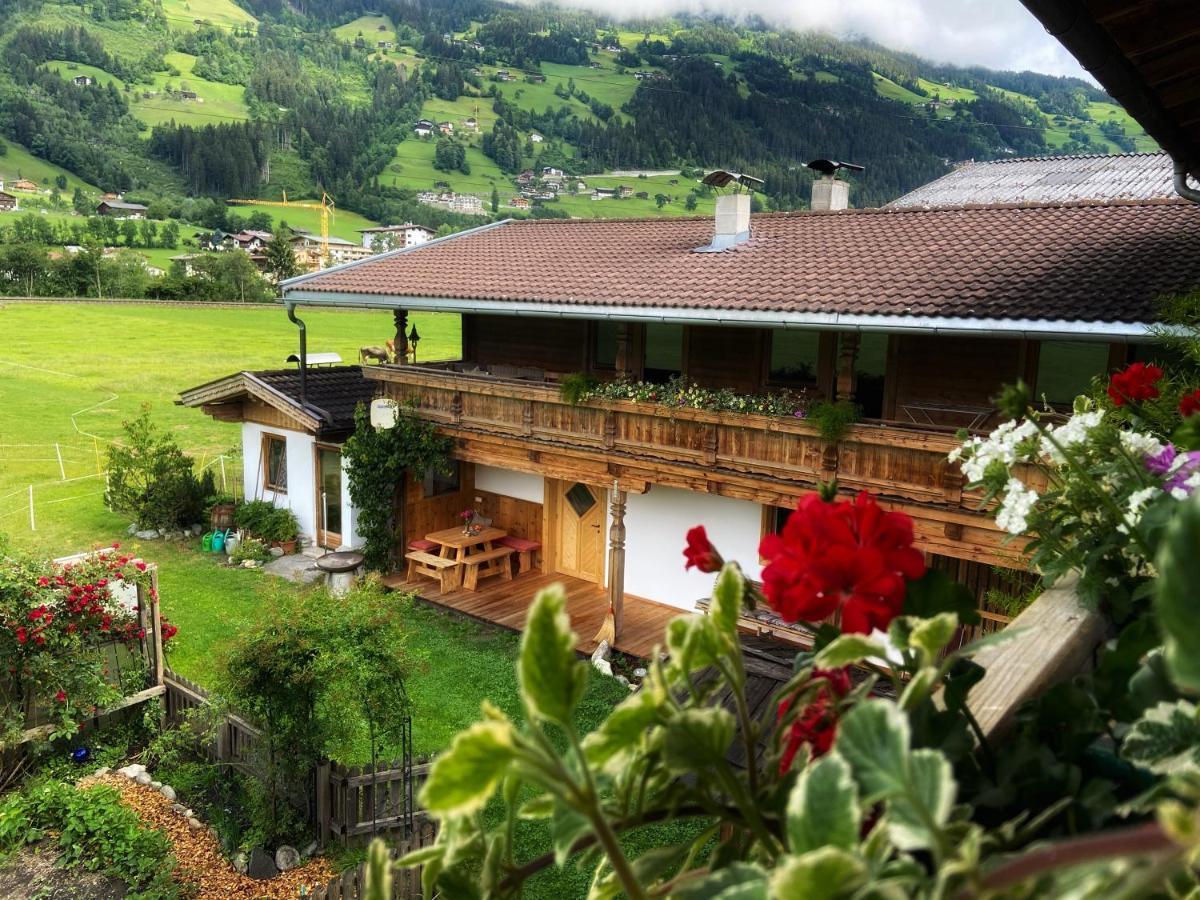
x=521 y=545
x=422 y=544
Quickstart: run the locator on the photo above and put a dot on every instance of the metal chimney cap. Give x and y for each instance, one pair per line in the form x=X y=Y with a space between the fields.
x=829 y=167
x=719 y=178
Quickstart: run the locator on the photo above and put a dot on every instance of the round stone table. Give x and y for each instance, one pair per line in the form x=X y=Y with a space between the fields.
x=340 y=568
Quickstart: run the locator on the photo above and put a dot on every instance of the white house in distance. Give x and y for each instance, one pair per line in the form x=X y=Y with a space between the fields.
x=396 y=236
x=291 y=444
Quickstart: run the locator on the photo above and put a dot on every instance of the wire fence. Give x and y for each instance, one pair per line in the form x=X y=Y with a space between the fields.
x=36 y=478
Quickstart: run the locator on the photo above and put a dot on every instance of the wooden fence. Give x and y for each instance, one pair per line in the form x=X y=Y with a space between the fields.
x=351 y=803
x=406 y=884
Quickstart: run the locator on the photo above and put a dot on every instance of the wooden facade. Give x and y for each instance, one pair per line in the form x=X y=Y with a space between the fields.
x=527 y=427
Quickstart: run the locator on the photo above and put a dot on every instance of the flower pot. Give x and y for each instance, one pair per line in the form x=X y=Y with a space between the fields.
x=288 y=547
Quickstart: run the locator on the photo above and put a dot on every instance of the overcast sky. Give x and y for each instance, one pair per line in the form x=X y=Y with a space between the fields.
x=1000 y=34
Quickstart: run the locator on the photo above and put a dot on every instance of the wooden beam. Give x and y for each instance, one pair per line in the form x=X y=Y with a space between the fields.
x=847 y=358
x=1057 y=639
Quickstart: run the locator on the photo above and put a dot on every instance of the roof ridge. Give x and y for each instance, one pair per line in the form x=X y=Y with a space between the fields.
x=1053 y=156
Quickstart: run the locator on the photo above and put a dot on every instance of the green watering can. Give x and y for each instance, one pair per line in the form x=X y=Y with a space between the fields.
x=206 y=542
x=218 y=540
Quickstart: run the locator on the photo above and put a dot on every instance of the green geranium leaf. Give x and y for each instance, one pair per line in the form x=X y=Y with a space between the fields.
x=1175 y=602
x=623 y=729
x=823 y=808
x=936 y=592
x=929 y=636
x=697 y=739
x=849 y=649
x=693 y=643
x=919 y=687
x=552 y=677
x=566 y=827
x=1166 y=739
x=537 y=808
x=465 y=776
x=727 y=596
x=930 y=799
x=740 y=880
x=420 y=856
x=873 y=737
x=827 y=873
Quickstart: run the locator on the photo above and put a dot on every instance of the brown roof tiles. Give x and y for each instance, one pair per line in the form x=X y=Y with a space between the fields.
x=1088 y=261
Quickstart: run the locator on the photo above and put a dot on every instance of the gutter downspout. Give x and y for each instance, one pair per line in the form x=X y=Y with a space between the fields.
x=291 y=312
x=1182 y=188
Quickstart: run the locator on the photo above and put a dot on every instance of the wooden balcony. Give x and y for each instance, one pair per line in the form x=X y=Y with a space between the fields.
x=771 y=460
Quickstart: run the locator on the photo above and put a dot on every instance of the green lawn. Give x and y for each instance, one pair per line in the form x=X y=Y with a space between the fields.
x=372 y=28
x=182 y=14
x=342 y=222
x=889 y=90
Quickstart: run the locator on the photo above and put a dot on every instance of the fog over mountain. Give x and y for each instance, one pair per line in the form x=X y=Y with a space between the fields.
x=1000 y=34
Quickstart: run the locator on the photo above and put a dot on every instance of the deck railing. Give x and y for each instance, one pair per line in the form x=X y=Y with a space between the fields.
x=903 y=462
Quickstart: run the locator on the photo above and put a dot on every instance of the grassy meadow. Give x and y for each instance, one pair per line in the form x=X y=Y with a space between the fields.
x=182 y=14
x=17 y=162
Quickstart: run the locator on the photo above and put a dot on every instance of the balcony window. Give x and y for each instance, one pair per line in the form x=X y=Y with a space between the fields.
x=604 y=347
x=870 y=367
x=664 y=351
x=437 y=484
x=1066 y=369
x=794 y=356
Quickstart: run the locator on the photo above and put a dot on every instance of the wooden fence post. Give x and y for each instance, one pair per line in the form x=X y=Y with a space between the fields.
x=323 y=807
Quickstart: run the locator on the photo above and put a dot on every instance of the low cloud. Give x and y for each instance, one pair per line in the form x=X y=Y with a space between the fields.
x=999 y=34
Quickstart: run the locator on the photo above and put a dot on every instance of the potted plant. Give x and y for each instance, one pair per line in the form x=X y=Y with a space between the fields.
x=281 y=529
x=253 y=515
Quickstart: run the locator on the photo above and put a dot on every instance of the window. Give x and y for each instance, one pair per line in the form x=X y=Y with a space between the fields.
x=664 y=351
x=581 y=499
x=274 y=453
x=775 y=517
x=604 y=352
x=1066 y=369
x=438 y=484
x=794 y=356
x=869 y=368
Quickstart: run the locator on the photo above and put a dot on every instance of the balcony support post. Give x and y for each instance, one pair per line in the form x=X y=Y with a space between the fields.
x=616 y=559
x=847 y=358
x=400 y=318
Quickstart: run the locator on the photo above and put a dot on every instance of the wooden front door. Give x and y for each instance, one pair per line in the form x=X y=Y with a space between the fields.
x=329 y=497
x=579 y=547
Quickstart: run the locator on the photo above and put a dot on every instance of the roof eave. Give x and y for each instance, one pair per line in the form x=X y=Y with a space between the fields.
x=246 y=384
x=1042 y=329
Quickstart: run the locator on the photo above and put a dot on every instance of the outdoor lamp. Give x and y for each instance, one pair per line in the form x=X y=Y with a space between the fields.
x=413 y=340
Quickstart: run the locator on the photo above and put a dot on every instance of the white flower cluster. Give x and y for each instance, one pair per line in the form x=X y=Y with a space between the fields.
x=1184 y=490
x=1136 y=503
x=976 y=454
x=1140 y=445
x=1017 y=503
x=1074 y=431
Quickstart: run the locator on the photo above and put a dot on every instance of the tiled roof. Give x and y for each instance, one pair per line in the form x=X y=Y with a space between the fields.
x=1050 y=179
x=1075 y=262
x=334 y=391
x=121 y=204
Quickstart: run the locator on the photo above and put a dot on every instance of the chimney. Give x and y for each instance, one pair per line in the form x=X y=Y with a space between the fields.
x=733 y=223
x=829 y=193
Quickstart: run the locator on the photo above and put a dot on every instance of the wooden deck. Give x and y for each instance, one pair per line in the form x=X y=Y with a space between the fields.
x=505 y=603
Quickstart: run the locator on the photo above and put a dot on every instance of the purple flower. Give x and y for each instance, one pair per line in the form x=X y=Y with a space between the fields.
x=801 y=414
x=1160 y=463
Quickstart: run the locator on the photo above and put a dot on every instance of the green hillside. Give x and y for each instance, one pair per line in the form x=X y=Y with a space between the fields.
x=183 y=14
x=17 y=162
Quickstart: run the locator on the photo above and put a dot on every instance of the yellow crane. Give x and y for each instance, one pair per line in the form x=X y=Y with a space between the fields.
x=325 y=206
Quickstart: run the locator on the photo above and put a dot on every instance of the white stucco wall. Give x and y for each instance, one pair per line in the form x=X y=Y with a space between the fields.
x=521 y=485
x=301 y=496
x=656 y=525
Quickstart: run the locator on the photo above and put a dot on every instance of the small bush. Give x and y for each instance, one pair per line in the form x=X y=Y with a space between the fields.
x=151 y=480
x=251 y=548
x=833 y=420
x=253 y=515
x=280 y=525
x=575 y=388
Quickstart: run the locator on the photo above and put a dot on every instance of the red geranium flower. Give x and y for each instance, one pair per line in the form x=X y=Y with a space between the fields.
x=845 y=557
x=61 y=696
x=700 y=553
x=1134 y=383
x=22 y=635
x=816 y=725
x=1190 y=403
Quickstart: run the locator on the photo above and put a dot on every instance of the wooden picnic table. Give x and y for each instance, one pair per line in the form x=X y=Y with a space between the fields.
x=475 y=553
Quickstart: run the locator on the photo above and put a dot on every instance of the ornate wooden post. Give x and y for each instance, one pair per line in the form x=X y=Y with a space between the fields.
x=616 y=559
x=847 y=358
x=400 y=317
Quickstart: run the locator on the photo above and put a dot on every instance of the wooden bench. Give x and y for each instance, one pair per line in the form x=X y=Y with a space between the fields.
x=485 y=564
x=442 y=570
x=765 y=622
x=525 y=549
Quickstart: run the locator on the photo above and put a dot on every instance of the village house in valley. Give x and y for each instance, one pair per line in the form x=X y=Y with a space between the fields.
x=120 y=209
x=395 y=236
x=916 y=315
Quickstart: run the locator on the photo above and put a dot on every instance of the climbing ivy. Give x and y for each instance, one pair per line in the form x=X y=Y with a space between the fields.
x=376 y=460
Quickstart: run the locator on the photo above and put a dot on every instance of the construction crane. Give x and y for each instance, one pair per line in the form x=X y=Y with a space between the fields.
x=325 y=207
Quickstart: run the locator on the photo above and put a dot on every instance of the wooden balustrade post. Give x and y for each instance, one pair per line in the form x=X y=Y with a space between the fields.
x=616 y=559
x=847 y=358
x=400 y=318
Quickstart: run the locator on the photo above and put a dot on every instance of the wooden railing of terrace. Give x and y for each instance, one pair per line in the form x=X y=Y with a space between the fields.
x=527 y=426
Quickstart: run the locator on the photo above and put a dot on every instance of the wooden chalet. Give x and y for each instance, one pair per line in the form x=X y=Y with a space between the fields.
x=8 y=202
x=917 y=315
